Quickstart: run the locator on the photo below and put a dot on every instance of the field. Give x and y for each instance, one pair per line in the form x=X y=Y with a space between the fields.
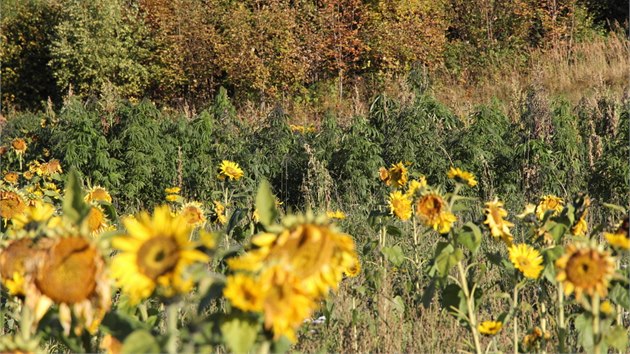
x=477 y=203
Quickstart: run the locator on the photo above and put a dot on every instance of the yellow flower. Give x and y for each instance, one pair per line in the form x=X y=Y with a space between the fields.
x=11 y=177
x=416 y=185
x=526 y=259
x=219 y=213
x=96 y=220
x=621 y=237
x=98 y=194
x=194 y=214
x=432 y=210
x=51 y=167
x=337 y=214
x=530 y=209
x=155 y=251
x=231 y=170
x=400 y=205
x=172 y=190
x=606 y=308
x=494 y=219
x=38 y=213
x=398 y=175
x=19 y=145
x=16 y=260
x=549 y=202
x=383 y=174
x=70 y=273
x=585 y=269
x=172 y=197
x=11 y=204
x=580 y=227
x=245 y=293
x=354 y=269
x=490 y=328
x=461 y=176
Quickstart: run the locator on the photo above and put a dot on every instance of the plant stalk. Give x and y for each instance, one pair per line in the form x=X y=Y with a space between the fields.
x=596 y=326
x=171 y=327
x=470 y=303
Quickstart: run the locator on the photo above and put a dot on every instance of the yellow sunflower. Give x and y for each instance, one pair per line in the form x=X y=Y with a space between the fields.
x=19 y=145
x=494 y=219
x=398 y=175
x=172 y=190
x=526 y=259
x=155 y=251
x=35 y=215
x=416 y=185
x=354 y=269
x=336 y=214
x=97 y=221
x=194 y=214
x=51 y=167
x=98 y=194
x=490 y=328
x=400 y=205
x=219 y=213
x=11 y=177
x=71 y=274
x=383 y=174
x=11 y=204
x=230 y=170
x=245 y=292
x=585 y=269
x=621 y=237
x=433 y=211
x=461 y=176
x=549 y=202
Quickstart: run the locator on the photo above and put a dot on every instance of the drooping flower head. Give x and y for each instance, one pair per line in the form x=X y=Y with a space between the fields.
x=19 y=145
x=230 y=170
x=461 y=176
x=549 y=202
x=498 y=226
x=433 y=211
x=526 y=259
x=155 y=253
x=98 y=194
x=585 y=269
x=400 y=205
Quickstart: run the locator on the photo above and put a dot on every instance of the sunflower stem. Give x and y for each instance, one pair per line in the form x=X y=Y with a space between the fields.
x=543 y=323
x=470 y=303
x=171 y=327
x=561 y=324
x=25 y=322
x=596 y=329
x=458 y=186
x=515 y=323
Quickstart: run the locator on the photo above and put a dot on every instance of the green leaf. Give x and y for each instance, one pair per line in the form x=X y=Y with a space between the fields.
x=399 y=304
x=470 y=237
x=74 y=207
x=550 y=255
x=620 y=296
x=584 y=326
x=447 y=258
x=140 y=341
x=239 y=333
x=266 y=203
x=394 y=255
x=617 y=337
x=557 y=230
x=393 y=230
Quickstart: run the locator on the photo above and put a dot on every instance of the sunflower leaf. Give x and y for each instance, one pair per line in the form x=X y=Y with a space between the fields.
x=239 y=333
x=266 y=203
x=619 y=295
x=74 y=207
x=617 y=338
x=140 y=341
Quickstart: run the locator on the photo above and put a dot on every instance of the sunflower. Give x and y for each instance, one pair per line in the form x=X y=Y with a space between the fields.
x=432 y=210
x=37 y=214
x=11 y=204
x=580 y=227
x=383 y=174
x=621 y=237
x=11 y=177
x=219 y=213
x=51 y=167
x=336 y=214
x=245 y=292
x=71 y=274
x=16 y=260
x=547 y=203
x=194 y=214
x=461 y=176
x=155 y=251
x=490 y=328
x=494 y=219
x=98 y=194
x=19 y=145
x=316 y=252
x=96 y=220
x=231 y=170
x=526 y=259
x=585 y=269
x=354 y=269
x=172 y=190
x=416 y=185
x=400 y=205
x=398 y=175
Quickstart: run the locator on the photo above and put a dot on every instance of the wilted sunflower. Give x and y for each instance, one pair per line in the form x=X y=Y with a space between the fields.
x=400 y=205
x=51 y=167
x=316 y=252
x=549 y=202
x=230 y=170
x=245 y=292
x=494 y=219
x=397 y=175
x=11 y=177
x=98 y=194
x=461 y=176
x=70 y=273
x=432 y=210
x=336 y=214
x=490 y=328
x=19 y=145
x=11 y=204
x=156 y=251
x=16 y=260
x=585 y=269
x=621 y=237
x=526 y=259
x=194 y=214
